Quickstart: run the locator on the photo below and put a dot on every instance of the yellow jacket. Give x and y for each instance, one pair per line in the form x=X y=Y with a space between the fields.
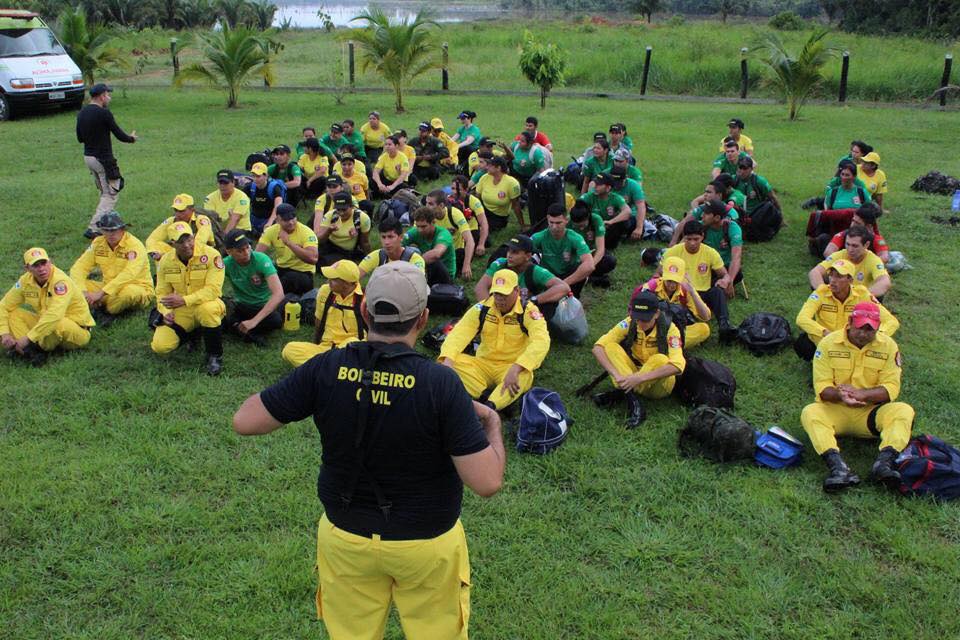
x=502 y=340
x=646 y=343
x=202 y=231
x=341 y=323
x=198 y=281
x=837 y=361
x=679 y=297
x=59 y=298
x=452 y=147
x=822 y=312
x=126 y=264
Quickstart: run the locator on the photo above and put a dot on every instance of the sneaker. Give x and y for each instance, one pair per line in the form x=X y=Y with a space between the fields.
x=214 y=365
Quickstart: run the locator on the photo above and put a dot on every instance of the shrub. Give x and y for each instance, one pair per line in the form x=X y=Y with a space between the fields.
x=677 y=20
x=787 y=21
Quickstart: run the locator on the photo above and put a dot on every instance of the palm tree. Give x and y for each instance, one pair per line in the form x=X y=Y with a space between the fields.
x=397 y=51
x=233 y=12
x=88 y=46
x=234 y=56
x=796 y=76
x=262 y=12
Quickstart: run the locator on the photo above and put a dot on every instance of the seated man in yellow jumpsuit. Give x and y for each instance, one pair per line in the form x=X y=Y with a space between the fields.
x=642 y=357
x=121 y=258
x=674 y=286
x=183 y=211
x=856 y=378
x=189 y=285
x=513 y=343
x=338 y=314
x=828 y=308
x=58 y=315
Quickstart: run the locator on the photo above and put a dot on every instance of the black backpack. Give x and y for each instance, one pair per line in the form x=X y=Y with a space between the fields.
x=717 y=435
x=543 y=190
x=765 y=333
x=258 y=156
x=706 y=382
x=763 y=223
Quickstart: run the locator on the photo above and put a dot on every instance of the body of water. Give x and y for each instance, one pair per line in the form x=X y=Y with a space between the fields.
x=304 y=14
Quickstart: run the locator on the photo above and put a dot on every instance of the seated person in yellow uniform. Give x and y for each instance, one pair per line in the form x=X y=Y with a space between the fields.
x=453 y=220
x=735 y=130
x=125 y=282
x=873 y=177
x=338 y=319
x=829 y=307
x=43 y=310
x=869 y=269
x=294 y=248
x=315 y=168
x=473 y=210
x=856 y=379
x=344 y=233
x=392 y=169
x=229 y=204
x=355 y=181
x=189 y=286
x=642 y=357
x=452 y=147
x=391 y=249
x=183 y=211
x=674 y=286
x=324 y=204
x=513 y=343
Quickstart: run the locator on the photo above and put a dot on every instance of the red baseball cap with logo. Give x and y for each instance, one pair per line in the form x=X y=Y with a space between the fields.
x=866 y=313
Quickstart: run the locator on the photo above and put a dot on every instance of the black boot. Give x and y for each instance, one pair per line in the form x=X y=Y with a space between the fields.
x=884 y=472
x=102 y=318
x=727 y=332
x=607 y=398
x=840 y=476
x=213 y=343
x=638 y=413
x=34 y=355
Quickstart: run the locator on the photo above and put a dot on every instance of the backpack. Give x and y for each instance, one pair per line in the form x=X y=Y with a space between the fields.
x=665 y=226
x=383 y=258
x=390 y=207
x=408 y=197
x=832 y=198
x=573 y=173
x=765 y=333
x=331 y=302
x=544 y=422
x=706 y=382
x=543 y=189
x=447 y=299
x=717 y=435
x=777 y=449
x=763 y=223
x=258 y=156
x=433 y=339
x=929 y=467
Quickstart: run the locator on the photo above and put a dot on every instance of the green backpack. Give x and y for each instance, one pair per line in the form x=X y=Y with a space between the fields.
x=718 y=435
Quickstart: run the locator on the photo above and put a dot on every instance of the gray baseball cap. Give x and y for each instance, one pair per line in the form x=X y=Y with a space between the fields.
x=400 y=285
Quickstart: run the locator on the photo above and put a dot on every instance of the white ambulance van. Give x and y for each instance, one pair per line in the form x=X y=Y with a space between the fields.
x=36 y=74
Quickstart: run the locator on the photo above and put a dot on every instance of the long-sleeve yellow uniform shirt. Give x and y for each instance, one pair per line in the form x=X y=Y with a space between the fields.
x=60 y=297
x=646 y=343
x=198 y=281
x=125 y=264
x=823 y=312
x=837 y=361
x=341 y=323
x=502 y=340
x=199 y=223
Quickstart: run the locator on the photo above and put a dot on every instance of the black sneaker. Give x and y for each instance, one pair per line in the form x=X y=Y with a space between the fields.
x=102 y=318
x=601 y=281
x=214 y=365
x=607 y=398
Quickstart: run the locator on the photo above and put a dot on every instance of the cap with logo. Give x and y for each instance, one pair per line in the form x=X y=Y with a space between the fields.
x=424 y=126
x=342 y=200
x=281 y=148
x=396 y=292
x=865 y=314
x=334 y=181
x=603 y=178
x=111 y=222
x=342 y=269
x=618 y=173
x=485 y=142
x=177 y=230
x=872 y=157
x=674 y=269
x=736 y=122
x=237 y=239
x=286 y=211
x=844 y=268
x=621 y=155
x=99 y=88
x=336 y=127
x=520 y=242
x=182 y=202
x=644 y=306
x=225 y=176
x=258 y=169
x=346 y=157
x=436 y=123
x=504 y=281
x=34 y=255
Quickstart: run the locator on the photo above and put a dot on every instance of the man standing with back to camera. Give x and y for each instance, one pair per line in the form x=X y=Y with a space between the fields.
x=400 y=437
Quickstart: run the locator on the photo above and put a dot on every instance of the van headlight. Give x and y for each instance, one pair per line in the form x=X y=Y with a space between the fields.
x=22 y=83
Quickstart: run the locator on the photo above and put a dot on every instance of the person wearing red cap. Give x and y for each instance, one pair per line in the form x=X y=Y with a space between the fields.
x=856 y=379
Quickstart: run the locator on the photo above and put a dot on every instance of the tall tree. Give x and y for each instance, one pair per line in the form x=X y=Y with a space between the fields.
x=542 y=64
x=731 y=7
x=234 y=12
x=796 y=75
x=646 y=8
x=261 y=14
x=234 y=57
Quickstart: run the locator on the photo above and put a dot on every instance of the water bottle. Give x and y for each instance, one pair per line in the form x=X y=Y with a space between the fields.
x=291 y=316
x=956 y=201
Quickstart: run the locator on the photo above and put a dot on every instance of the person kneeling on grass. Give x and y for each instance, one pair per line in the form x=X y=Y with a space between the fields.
x=642 y=357
x=256 y=287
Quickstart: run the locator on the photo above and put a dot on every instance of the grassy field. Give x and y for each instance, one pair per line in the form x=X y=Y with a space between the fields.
x=128 y=507
x=697 y=58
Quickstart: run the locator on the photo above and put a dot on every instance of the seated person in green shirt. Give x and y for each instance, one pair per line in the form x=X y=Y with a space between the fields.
x=622 y=159
x=724 y=234
x=308 y=132
x=525 y=158
x=612 y=208
x=755 y=187
x=719 y=189
x=287 y=172
x=817 y=202
x=537 y=285
x=632 y=193
x=846 y=193
x=257 y=291
x=591 y=227
x=353 y=138
x=435 y=245
x=599 y=161
x=564 y=252
x=726 y=162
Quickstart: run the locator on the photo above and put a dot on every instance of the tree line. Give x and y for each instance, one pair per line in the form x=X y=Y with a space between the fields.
x=164 y=14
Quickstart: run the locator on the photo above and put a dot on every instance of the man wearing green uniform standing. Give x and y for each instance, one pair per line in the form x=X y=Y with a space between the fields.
x=256 y=289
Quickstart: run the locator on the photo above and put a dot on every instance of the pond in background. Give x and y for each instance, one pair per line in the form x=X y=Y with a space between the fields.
x=304 y=14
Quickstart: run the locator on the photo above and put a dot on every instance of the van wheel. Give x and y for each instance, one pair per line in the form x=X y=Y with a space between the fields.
x=4 y=108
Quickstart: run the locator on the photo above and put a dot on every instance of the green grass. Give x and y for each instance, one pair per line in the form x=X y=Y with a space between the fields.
x=128 y=508
x=697 y=58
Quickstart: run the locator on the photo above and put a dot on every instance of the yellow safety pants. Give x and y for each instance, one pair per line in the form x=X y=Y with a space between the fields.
x=824 y=421
x=207 y=314
x=296 y=353
x=130 y=296
x=696 y=333
x=478 y=375
x=655 y=389
x=67 y=334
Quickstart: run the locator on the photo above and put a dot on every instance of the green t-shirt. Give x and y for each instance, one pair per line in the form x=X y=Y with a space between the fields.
x=697 y=213
x=627 y=142
x=725 y=165
x=479 y=173
x=538 y=275
x=592 y=166
x=755 y=188
x=527 y=163
x=560 y=257
x=607 y=208
x=355 y=140
x=835 y=182
x=250 y=281
x=718 y=240
x=466 y=132
x=634 y=173
x=291 y=171
x=412 y=238
x=631 y=192
x=592 y=230
x=846 y=198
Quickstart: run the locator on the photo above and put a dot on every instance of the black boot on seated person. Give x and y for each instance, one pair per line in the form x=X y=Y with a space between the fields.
x=884 y=469
x=728 y=332
x=637 y=412
x=841 y=477
x=34 y=355
x=607 y=398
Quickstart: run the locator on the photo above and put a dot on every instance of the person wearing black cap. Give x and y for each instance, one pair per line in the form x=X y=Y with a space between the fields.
x=486 y=148
x=736 y=127
x=295 y=250
x=95 y=123
x=632 y=193
x=466 y=137
x=315 y=168
x=429 y=152
x=334 y=139
x=611 y=207
x=231 y=205
x=642 y=356
x=289 y=173
x=344 y=232
x=536 y=283
x=257 y=289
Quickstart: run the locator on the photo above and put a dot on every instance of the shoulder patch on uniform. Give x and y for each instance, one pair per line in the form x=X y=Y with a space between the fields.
x=16 y=285
x=131 y=255
x=880 y=266
x=218 y=262
x=814 y=296
x=203 y=259
x=244 y=201
x=624 y=324
x=817 y=354
x=898 y=359
x=674 y=342
x=60 y=288
x=536 y=315
x=311 y=238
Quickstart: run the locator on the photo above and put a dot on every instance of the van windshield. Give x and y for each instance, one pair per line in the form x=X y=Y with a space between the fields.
x=26 y=43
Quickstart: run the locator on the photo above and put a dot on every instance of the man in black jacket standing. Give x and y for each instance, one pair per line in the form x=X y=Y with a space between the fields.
x=95 y=123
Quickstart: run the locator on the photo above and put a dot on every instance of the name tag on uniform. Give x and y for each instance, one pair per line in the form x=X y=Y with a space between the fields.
x=839 y=354
x=829 y=307
x=876 y=354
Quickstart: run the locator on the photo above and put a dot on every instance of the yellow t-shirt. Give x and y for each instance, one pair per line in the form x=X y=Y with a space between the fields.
x=456 y=223
x=700 y=265
x=869 y=269
x=238 y=201
x=310 y=166
x=876 y=184
x=410 y=152
x=372 y=260
x=746 y=144
x=345 y=235
x=284 y=257
x=497 y=198
x=357 y=185
x=374 y=139
x=392 y=168
x=358 y=167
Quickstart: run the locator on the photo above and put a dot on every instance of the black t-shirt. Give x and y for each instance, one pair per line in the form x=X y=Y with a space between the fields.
x=94 y=126
x=420 y=415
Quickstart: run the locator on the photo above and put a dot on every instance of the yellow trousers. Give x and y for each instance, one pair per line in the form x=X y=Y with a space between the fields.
x=296 y=353
x=428 y=580
x=696 y=333
x=478 y=375
x=131 y=296
x=655 y=389
x=66 y=335
x=207 y=314
x=824 y=421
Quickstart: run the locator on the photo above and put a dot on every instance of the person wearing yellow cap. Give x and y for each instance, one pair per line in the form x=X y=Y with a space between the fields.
x=189 y=286
x=856 y=380
x=125 y=282
x=338 y=320
x=873 y=177
x=643 y=356
x=452 y=147
x=513 y=344
x=183 y=211
x=869 y=269
x=257 y=290
x=828 y=308
x=266 y=194
x=44 y=310
x=674 y=286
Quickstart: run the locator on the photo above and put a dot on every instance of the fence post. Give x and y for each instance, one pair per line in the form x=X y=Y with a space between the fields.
x=445 y=74
x=947 y=65
x=744 y=77
x=844 y=71
x=174 y=57
x=350 y=63
x=646 y=71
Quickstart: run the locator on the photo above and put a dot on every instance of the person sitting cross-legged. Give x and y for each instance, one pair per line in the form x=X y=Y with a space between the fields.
x=294 y=247
x=257 y=289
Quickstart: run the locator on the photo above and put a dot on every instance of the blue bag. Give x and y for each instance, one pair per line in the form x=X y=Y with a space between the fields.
x=777 y=449
x=929 y=467
x=544 y=422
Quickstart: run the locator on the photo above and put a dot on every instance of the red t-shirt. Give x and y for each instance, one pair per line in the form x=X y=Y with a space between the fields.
x=541 y=138
x=879 y=244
